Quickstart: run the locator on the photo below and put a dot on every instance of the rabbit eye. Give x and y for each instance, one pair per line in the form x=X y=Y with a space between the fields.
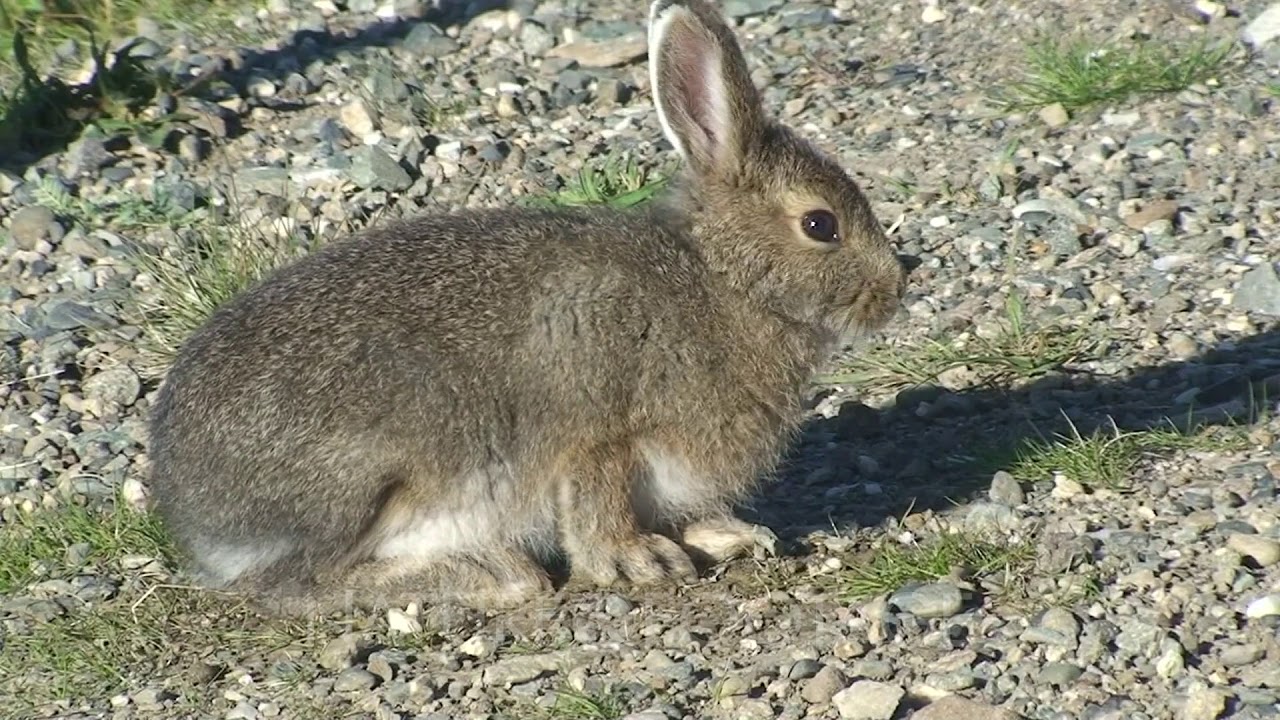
x=821 y=225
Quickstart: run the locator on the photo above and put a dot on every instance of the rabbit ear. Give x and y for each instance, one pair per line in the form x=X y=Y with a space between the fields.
x=709 y=108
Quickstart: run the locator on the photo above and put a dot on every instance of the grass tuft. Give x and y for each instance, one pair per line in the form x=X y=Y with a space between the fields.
x=37 y=541
x=1020 y=351
x=1079 y=73
x=48 y=24
x=615 y=181
x=90 y=649
x=573 y=705
x=187 y=281
x=893 y=565
x=1107 y=458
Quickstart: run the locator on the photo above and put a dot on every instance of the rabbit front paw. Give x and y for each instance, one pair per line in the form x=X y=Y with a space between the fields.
x=718 y=539
x=642 y=559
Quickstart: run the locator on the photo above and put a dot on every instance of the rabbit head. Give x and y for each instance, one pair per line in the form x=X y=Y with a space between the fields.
x=776 y=218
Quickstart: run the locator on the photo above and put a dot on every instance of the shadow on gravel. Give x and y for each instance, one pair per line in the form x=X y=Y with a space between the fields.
x=935 y=449
x=44 y=118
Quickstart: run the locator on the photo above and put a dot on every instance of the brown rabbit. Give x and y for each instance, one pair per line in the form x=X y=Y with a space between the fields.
x=432 y=409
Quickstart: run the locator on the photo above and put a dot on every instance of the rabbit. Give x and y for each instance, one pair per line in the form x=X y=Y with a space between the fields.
x=440 y=408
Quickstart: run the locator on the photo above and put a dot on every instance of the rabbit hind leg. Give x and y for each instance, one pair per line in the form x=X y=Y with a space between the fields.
x=497 y=580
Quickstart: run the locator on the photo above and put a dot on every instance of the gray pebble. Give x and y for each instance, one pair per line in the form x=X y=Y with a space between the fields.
x=934 y=600
x=1238 y=655
x=1259 y=291
x=1006 y=490
x=371 y=168
x=1059 y=674
x=868 y=700
x=822 y=686
x=340 y=652
x=353 y=679
x=33 y=225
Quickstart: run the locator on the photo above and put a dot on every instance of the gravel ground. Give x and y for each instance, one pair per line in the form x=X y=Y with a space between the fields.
x=1148 y=228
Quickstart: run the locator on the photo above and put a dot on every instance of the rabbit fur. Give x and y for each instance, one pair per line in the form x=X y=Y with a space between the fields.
x=436 y=408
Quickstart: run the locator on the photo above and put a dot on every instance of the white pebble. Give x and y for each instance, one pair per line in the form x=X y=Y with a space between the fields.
x=1265 y=606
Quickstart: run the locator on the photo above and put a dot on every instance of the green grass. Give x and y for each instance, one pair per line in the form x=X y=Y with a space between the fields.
x=93 y=650
x=1021 y=350
x=40 y=110
x=1079 y=73
x=36 y=541
x=615 y=181
x=570 y=704
x=46 y=24
x=573 y=705
x=1108 y=458
x=124 y=211
x=1273 y=89
x=40 y=113
x=894 y=565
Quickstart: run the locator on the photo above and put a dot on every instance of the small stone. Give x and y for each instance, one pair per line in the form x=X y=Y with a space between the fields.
x=354 y=679
x=868 y=700
x=618 y=606
x=1259 y=290
x=1182 y=346
x=954 y=707
x=517 y=670
x=427 y=40
x=535 y=39
x=1062 y=622
x=1060 y=674
x=478 y=646
x=266 y=180
x=1204 y=704
x=747 y=8
x=113 y=388
x=804 y=669
x=340 y=652
x=1061 y=207
x=1264 y=28
x=934 y=600
x=984 y=518
x=261 y=87
x=1265 y=606
x=380 y=666
x=1055 y=115
x=1239 y=655
x=1064 y=488
x=152 y=697
x=243 y=711
x=135 y=494
x=371 y=168
x=603 y=53
x=932 y=14
x=87 y=155
x=32 y=225
x=357 y=118
x=1006 y=490
x=1209 y=9
x=1151 y=213
x=822 y=687
x=1262 y=550
x=1171 y=663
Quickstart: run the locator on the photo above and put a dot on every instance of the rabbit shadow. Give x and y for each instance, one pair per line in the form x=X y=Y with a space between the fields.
x=21 y=150
x=934 y=449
